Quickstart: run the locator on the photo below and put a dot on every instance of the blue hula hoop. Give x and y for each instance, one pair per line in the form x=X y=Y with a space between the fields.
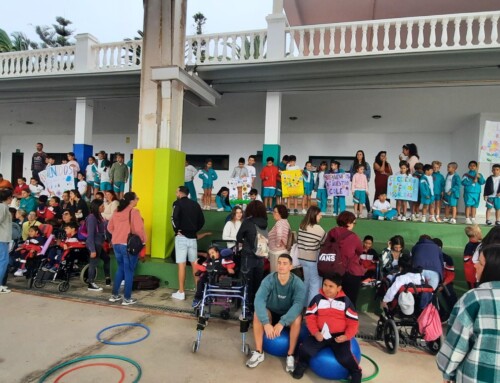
x=98 y=336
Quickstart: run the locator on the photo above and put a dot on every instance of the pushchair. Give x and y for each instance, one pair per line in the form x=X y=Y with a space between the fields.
x=394 y=326
x=223 y=291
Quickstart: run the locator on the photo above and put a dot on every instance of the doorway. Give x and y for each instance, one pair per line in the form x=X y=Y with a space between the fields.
x=17 y=167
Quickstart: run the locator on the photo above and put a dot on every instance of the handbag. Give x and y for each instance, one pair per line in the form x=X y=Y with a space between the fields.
x=134 y=242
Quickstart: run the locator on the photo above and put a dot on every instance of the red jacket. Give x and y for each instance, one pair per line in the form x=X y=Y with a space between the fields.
x=338 y=314
x=271 y=172
x=351 y=248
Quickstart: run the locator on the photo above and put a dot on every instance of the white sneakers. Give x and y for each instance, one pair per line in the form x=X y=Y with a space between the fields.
x=468 y=221
x=19 y=272
x=453 y=221
x=290 y=363
x=424 y=219
x=4 y=290
x=433 y=219
x=256 y=359
x=220 y=209
x=179 y=296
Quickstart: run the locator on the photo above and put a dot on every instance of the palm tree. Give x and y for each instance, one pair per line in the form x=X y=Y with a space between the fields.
x=5 y=43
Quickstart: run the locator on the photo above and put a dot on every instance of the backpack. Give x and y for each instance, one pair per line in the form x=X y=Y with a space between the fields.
x=330 y=260
x=82 y=232
x=291 y=240
x=261 y=243
x=429 y=323
x=145 y=282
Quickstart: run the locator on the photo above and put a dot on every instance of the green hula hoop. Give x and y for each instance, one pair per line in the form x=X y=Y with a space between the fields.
x=90 y=357
x=372 y=376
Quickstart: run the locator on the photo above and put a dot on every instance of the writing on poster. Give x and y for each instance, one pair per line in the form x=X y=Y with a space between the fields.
x=292 y=183
x=402 y=187
x=338 y=184
x=57 y=179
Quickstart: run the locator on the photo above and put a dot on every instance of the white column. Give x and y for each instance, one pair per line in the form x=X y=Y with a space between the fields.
x=273 y=118
x=84 y=116
x=171 y=119
x=276 y=38
x=85 y=59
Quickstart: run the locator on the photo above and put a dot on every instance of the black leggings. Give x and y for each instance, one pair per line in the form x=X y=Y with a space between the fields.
x=342 y=351
x=100 y=253
x=351 y=285
x=253 y=270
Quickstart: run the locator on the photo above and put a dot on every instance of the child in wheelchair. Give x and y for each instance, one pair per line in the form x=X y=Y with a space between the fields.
x=56 y=255
x=216 y=265
x=28 y=250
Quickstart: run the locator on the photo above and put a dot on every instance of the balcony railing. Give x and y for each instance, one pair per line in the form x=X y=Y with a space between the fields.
x=362 y=38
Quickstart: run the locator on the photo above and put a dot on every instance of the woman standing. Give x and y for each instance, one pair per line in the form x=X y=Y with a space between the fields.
x=471 y=345
x=5 y=234
x=251 y=265
x=410 y=155
x=96 y=235
x=361 y=160
x=232 y=226
x=110 y=205
x=382 y=170
x=127 y=219
x=278 y=236
x=352 y=248
x=310 y=238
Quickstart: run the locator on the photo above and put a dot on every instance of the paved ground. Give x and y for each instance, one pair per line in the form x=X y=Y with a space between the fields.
x=39 y=332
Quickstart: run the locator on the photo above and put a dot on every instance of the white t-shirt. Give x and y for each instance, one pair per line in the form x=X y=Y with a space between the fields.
x=252 y=173
x=431 y=183
x=294 y=167
x=189 y=173
x=103 y=174
x=377 y=205
x=496 y=181
x=448 y=183
x=89 y=172
x=82 y=187
x=36 y=190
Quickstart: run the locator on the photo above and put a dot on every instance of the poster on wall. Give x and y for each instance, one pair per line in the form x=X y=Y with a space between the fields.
x=402 y=187
x=490 y=148
x=239 y=189
x=57 y=179
x=338 y=185
x=292 y=183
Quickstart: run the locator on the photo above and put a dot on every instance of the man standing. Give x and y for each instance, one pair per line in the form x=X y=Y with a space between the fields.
x=187 y=220
x=118 y=175
x=189 y=173
x=38 y=162
x=278 y=304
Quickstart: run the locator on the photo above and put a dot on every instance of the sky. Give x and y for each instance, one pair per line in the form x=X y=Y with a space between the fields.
x=114 y=20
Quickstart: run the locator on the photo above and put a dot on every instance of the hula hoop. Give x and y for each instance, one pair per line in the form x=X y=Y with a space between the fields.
x=372 y=376
x=115 y=366
x=91 y=357
x=98 y=336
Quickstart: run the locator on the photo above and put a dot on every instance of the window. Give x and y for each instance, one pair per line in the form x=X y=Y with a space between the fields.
x=219 y=161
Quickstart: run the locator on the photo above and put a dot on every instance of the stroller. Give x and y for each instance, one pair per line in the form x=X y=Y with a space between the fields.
x=394 y=326
x=223 y=291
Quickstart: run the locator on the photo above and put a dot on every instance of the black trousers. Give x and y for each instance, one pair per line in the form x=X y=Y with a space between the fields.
x=351 y=285
x=93 y=262
x=342 y=351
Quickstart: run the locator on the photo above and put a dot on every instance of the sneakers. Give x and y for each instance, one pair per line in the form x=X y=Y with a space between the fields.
x=108 y=282
x=424 y=219
x=497 y=223
x=400 y=217
x=438 y=219
x=255 y=359
x=178 y=295
x=433 y=219
x=380 y=218
x=290 y=363
x=128 y=302
x=453 y=221
x=4 y=290
x=304 y=211
x=473 y=220
x=19 y=272
x=403 y=218
x=53 y=269
x=298 y=373
x=295 y=211
x=445 y=219
x=489 y=223
x=220 y=209
x=196 y=303
x=115 y=298
x=413 y=217
x=369 y=282
x=468 y=221
x=94 y=287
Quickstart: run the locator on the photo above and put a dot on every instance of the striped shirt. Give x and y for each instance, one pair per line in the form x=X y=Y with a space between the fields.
x=309 y=242
x=278 y=236
x=470 y=351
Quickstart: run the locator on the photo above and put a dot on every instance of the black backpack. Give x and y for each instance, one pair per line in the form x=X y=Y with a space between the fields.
x=145 y=282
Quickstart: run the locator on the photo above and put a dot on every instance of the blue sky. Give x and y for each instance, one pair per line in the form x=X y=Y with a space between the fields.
x=113 y=20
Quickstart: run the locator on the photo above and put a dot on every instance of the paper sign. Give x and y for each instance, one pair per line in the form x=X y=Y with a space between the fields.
x=490 y=149
x=402 y=187
x=245 y=184
x=338 y=184
x=57 y=179
x=292 y=183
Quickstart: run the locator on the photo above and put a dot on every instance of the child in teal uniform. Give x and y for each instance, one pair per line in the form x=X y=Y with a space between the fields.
x=415 y=205
x=222 y=199
x=438 y=180
x=208 y=176
x=492 y=195
x=308 y=177
x=320 y=188
x=472 y=181
x=338 y=201
x=451 y=193
x=426 y=192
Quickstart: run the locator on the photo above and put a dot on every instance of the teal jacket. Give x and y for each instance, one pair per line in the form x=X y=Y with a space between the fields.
x=424 y=188
x=438 y=181
x=471 y=187
x=28 y=204
x=208 y=177
x=455 y=185
x=286 y=300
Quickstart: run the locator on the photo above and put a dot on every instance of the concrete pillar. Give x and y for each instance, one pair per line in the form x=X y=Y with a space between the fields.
x=276 y=24
x=272 y=128
x=84 y=120
x=84 y=57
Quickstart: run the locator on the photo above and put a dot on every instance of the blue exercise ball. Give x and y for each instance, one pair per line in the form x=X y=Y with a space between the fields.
x=326 y=366
x=279 y=345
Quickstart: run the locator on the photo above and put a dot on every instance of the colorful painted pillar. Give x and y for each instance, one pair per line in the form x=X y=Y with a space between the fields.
x=84 y=116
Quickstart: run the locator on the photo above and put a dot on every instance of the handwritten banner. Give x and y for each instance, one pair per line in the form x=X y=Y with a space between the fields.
x=402 y=187
x=490 y=149
x=292 y=183
x=57 y=179
x=338 y=184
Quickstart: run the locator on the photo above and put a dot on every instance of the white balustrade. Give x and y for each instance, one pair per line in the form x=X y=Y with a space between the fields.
x=123 y=55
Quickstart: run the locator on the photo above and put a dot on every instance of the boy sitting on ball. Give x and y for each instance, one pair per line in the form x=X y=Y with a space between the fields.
x=332 y=321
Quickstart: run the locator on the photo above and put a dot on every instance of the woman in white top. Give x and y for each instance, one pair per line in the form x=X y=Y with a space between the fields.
x=110 y=205
x=278 y=236
x=232 y=226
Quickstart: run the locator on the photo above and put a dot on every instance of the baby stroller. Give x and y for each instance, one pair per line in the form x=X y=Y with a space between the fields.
x=33 y=263
x=71 y=266
x=222 y=291
x=394 y=326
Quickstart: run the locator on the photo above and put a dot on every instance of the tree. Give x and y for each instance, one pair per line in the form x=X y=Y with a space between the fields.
x=199 y=20
x=57 y=35
x=5 y=43
x=17 y=41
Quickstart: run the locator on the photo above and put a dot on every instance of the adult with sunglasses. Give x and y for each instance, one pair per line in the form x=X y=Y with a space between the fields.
x=352 y=248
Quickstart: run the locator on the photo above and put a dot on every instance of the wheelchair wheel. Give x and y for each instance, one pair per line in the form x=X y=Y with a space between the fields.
x=391 y=336
x=84 y=274
x=195 y=347
x=39 y=283
x=379 y=331
x=434 y=346
x=63 y=286
x=246 y=349
x=224 y=314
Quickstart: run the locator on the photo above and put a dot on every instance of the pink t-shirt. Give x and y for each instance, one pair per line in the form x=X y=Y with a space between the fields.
x=359 y=182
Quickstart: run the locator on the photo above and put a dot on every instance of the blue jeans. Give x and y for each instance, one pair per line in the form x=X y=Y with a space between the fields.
x=312 y=280
x=126 y=267
x=4 y=259
x=431 y=277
